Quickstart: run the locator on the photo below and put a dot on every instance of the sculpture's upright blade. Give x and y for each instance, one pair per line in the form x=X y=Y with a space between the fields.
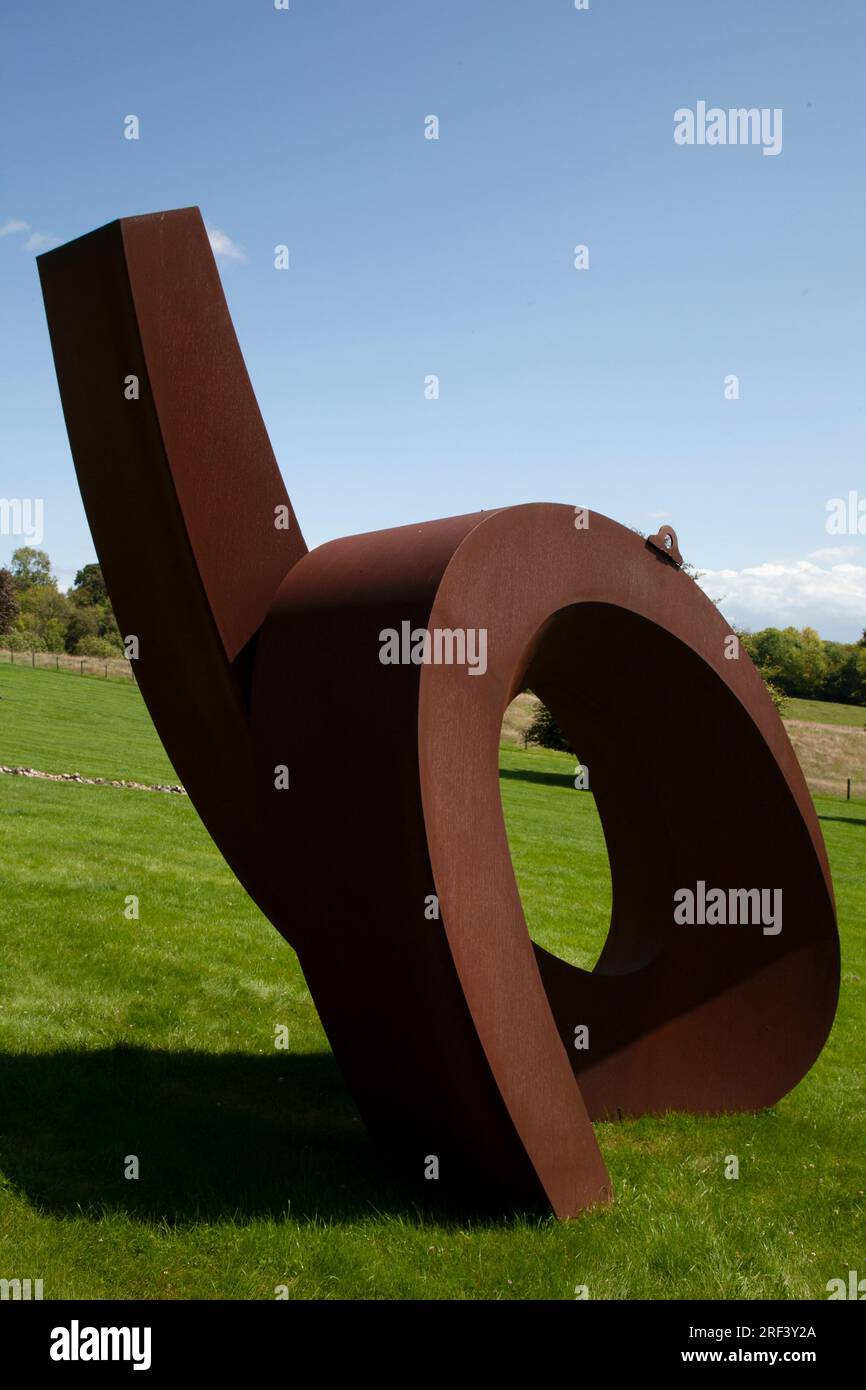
x=189 y=515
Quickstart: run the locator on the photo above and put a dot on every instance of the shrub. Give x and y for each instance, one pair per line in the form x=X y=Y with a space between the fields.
x=544 y=731
x=83 y=623
x=96 y=646
x=780 y=700
x=24 y=639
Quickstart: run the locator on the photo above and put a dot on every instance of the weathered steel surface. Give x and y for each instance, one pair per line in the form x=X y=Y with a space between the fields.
x=455 y=1033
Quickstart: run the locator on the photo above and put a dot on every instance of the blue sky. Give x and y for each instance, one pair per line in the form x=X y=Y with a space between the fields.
x=410 y=257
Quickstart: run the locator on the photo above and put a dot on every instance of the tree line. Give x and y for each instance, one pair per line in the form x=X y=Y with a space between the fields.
x=805 y=667
x=35 y=616
x=795 y=663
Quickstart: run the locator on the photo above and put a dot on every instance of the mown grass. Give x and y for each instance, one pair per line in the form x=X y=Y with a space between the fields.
x=558 y=851
x=155 y=1037
x=825 y=712
x=57 y=721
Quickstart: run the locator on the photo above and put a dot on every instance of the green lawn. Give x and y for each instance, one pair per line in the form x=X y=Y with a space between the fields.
x=825 y=712
x=62 y=722
x=558 y=852
x=156 y=1038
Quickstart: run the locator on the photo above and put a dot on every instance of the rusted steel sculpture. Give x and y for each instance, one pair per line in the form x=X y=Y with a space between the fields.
x=383 y=859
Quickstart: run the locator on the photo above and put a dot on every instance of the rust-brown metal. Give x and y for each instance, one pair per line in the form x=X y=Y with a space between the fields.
x=384 y=860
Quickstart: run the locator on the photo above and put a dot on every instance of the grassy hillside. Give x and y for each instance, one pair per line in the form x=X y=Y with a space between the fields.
x=823 y=712
x=156 y=1038
x=520 y=711
x=60 y=722
x=829 y=740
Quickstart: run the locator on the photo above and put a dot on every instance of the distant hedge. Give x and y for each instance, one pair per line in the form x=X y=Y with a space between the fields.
x=800 y=664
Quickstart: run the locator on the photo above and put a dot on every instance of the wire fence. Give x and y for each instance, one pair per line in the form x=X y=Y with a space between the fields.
x=108 y=668
x=840 y=788
x=118 y=668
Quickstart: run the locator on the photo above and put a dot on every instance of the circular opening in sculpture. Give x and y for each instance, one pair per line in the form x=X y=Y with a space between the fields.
x=657 y=733
x=555 y=837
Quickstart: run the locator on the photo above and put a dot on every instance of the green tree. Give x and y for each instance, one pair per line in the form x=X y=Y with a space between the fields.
x=24 y=639
x=89 y=587
x=83 y=622
x=29 y=567
x=96 y=646
x=9 y=608
x=812 y=663
x=793 y=660
x=108 y=626
x=544 y=731
x=779 y=699
x=46 y=611
x=758 y=650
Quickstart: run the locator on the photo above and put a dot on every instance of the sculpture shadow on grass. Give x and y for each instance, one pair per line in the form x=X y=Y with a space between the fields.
x=218 y=1137
x=845 y=820
x=544 y=779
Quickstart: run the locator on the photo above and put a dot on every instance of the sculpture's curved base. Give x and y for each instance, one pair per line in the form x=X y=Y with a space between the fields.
x=456 y=1035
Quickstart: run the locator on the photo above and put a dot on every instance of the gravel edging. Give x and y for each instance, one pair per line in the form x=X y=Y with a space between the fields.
x=175 y=790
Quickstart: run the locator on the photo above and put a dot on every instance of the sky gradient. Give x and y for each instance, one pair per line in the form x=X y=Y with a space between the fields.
x=409 y=257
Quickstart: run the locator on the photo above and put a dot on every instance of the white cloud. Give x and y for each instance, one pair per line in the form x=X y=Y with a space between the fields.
x=798 y=593
x=831 y=554
x=37 y=241
x=223 y=247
